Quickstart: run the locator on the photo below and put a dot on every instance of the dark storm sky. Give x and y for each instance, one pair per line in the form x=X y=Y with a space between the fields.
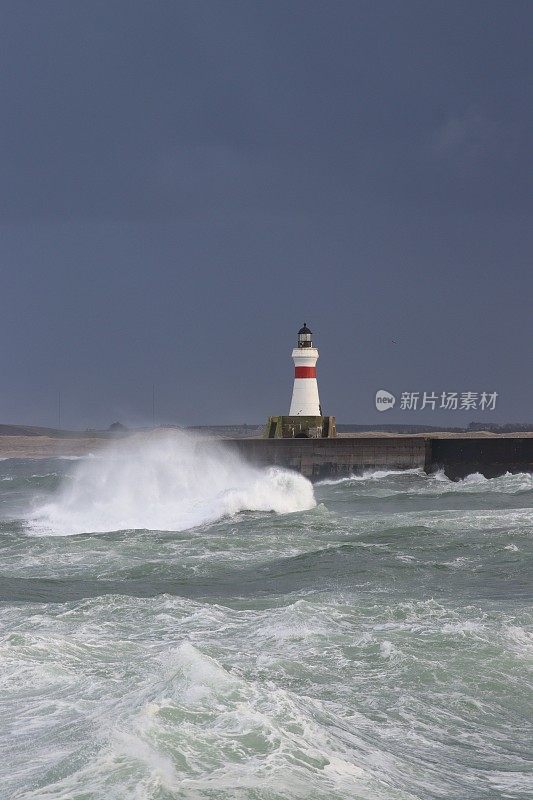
x=182 y=184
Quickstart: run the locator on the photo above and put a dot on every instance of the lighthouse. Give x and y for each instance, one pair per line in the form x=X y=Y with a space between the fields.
x=305 y=401
x=304 y=420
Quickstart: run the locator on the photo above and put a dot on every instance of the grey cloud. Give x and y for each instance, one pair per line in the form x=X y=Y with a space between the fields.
x=169 y=169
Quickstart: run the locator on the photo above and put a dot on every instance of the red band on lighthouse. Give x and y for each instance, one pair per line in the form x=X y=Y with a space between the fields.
x=305 y=372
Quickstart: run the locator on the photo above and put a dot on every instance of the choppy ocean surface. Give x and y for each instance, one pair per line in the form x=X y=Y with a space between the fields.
x=176 y=624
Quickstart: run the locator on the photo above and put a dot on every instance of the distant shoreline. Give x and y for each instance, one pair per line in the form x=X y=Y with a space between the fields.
x=48 y=446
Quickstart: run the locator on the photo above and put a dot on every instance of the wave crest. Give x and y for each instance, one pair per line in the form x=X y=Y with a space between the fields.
x=167 y=482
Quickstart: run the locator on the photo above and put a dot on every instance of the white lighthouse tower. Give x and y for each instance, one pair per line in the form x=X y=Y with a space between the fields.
x=305 y=402
x=305 y=419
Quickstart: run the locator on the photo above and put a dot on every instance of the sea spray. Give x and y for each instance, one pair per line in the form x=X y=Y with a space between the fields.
x=167 y=481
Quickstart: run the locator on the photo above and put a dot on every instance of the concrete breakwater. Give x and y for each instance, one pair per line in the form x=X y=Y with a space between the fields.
x=335 y=458
x=457 y=454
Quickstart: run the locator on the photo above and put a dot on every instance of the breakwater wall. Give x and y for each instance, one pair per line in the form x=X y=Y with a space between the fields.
x=489 y=455
x=335 y=458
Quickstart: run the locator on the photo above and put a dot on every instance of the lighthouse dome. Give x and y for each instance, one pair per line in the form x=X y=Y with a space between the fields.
x=304 y=337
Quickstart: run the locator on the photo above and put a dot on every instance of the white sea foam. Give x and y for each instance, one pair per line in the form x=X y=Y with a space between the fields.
x=384 y=483
x=475 y=483
x=167 y=482
x=371 y=475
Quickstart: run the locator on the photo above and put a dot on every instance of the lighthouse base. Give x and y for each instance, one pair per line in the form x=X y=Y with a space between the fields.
x=300 y=428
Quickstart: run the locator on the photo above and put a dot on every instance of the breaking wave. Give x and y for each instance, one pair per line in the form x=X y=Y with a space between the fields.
x=436 y=483
x=371 y=475
x=167 y=482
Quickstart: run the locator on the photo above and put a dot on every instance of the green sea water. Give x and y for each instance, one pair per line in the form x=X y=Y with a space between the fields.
x=177 y=624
